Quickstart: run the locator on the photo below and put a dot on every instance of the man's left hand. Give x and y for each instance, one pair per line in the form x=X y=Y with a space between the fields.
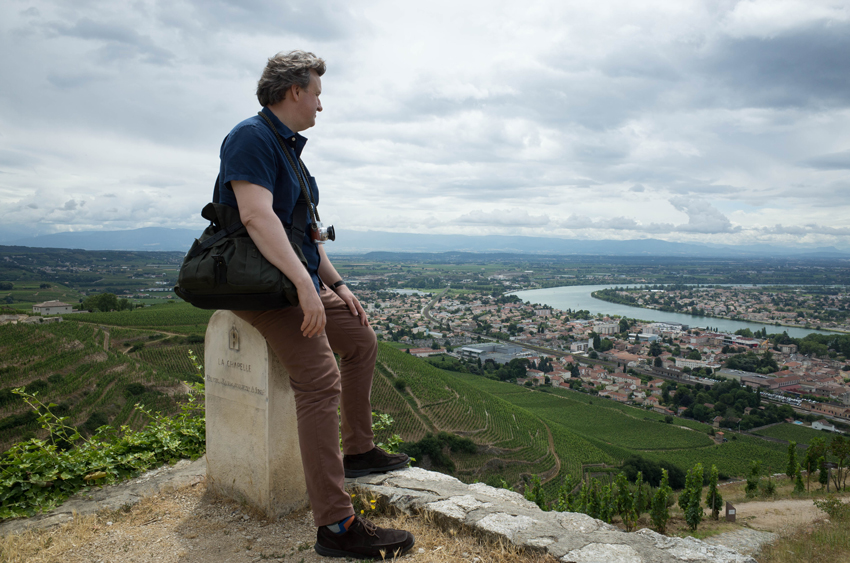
x=353 y=304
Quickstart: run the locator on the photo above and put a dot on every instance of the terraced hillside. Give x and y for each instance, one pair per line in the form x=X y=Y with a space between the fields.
x=94 y=374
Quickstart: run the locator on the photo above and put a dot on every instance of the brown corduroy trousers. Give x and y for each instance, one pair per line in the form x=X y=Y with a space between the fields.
x=320 y=387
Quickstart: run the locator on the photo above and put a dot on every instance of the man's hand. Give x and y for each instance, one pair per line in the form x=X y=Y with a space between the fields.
x=353 y=304
x=314 y=311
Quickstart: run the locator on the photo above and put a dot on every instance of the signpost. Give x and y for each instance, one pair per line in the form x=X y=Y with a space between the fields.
x=730 y=512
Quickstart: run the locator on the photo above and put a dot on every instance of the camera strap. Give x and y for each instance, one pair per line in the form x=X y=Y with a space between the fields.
x=314 y=213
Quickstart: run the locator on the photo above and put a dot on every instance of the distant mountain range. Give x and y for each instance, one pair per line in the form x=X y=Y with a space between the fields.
x=363 y=242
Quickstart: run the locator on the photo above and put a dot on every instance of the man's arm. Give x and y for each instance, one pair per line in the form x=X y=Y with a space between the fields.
x=267 y=232
x=329 y=276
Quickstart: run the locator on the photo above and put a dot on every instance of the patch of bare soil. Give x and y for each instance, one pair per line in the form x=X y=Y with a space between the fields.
x=190 y=525
x=779 y=516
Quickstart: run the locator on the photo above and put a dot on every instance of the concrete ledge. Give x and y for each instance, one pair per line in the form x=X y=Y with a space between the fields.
x=569 y=536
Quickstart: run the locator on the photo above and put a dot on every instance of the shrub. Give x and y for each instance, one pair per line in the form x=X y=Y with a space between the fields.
x=835 y=508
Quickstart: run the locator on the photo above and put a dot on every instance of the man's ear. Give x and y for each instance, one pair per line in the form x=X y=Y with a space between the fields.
x=295 y=91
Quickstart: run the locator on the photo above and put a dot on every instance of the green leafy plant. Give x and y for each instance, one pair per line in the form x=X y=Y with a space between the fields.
x=38 y=474
x=659 y=512
x=836 y=509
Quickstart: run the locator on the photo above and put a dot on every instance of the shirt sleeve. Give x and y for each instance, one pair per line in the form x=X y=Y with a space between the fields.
x=248 y=156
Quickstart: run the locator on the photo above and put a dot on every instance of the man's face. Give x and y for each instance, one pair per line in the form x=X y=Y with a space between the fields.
x=308 y=102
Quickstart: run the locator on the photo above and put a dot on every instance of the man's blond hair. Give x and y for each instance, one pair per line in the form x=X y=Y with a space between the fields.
x=284 y=70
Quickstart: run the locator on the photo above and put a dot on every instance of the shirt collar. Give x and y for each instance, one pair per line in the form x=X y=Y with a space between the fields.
x=296 y=141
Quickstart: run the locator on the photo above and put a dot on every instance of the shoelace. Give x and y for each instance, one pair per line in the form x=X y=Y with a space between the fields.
x=370 y=528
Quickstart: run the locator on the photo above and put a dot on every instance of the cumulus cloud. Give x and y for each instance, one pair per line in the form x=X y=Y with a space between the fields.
x=702 y=217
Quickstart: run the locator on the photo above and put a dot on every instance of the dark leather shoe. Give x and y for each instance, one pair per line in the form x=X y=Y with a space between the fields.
x=374 y=461
x=363 y=540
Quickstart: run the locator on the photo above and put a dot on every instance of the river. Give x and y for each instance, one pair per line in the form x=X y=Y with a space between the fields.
x=577 y=297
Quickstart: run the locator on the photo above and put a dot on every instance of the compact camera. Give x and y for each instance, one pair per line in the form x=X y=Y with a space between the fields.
x=319 y=233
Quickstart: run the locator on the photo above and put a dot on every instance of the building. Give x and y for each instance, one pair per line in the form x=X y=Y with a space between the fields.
x=52 y=308
x=499 y=353
x=822 y=424
x=694 y=364
x=604 y=329
x=579 y=346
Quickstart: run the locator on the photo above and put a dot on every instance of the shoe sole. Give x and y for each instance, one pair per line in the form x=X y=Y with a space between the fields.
x=328 y=552
x=352 y=473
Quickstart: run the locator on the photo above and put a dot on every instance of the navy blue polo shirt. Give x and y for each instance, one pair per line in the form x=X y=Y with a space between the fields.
x=252 y=153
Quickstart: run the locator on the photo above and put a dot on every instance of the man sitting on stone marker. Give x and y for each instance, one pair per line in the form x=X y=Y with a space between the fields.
x=257 y=178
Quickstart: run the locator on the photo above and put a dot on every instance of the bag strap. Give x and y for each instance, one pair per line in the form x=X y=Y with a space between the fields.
x=314 y=213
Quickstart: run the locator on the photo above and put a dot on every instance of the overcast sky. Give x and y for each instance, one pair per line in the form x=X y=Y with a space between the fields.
x=691 y=121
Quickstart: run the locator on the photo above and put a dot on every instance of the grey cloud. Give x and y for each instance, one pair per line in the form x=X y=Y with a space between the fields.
x=32 y=11
x=834 y=161
x=320 y=20
x=74 y=79
x=800 y=67
x=17 y=159
x=637 y=188
x=70 y=205
x=122 y=42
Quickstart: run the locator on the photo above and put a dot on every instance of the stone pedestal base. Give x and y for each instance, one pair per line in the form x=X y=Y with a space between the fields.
x=252 y=437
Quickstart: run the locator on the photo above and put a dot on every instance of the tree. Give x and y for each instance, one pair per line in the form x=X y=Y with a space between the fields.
x=694 y=355
x=823 y=472
x=659 y=513
x=799 y=487
x=713 y=498
x=791 y=468
x=753 y=479
x=597 y=342
x=816 y=450
x=655 y=349
x=690 y=500
x=840 y=448
x=534 y=492
x=625 y=502
x=657 y=362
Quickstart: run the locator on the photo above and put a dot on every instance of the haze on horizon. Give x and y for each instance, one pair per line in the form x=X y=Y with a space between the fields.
x=688 y=121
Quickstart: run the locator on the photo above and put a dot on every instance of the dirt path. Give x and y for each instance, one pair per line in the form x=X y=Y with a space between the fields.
x=778 y=516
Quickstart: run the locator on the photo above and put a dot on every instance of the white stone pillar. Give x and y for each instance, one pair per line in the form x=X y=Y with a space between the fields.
x=252 y=436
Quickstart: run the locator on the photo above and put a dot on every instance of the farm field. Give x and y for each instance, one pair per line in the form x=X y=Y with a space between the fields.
x=793 y=432
x=172 y=316
x=619 y=431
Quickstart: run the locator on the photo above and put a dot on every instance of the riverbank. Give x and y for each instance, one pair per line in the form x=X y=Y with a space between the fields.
x=602 y=296
x=576 y=298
